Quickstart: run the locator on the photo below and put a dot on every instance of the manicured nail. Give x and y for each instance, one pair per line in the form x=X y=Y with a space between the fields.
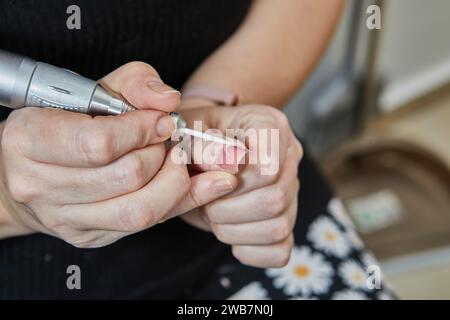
x=223 y=185
x=160 y=87
x=165 y=126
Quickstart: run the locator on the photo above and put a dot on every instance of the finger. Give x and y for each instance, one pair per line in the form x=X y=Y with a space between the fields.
x=196 y=219
x=138 y=210
x=266 y=132
x=94 y=238
x=210 y=155
x=84 y=185
x=257 y=233
x=204 y=188
x=260 y=204
x=76 y=140
x=140 y=84
x=266 y=157
x=271 y=256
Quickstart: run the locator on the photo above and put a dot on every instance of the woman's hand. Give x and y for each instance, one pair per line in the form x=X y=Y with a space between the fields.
x=257 y=219
x=91 y=181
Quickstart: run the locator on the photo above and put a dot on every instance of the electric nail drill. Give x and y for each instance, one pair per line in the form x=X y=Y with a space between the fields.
x=25 y=82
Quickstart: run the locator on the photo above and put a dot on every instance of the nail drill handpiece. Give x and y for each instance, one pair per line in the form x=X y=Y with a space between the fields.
x=25 y=82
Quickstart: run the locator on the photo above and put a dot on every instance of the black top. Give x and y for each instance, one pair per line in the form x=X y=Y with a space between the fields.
x=169 y=260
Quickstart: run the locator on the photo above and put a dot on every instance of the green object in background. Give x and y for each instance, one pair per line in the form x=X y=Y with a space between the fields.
x=375 y=211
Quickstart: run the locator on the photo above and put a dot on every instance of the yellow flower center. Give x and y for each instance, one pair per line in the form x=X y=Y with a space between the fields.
x=302 y=271
x=330 y=236
x=358 y=277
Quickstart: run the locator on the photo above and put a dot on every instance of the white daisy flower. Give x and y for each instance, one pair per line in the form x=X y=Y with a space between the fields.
x=325 y=235
x=369 y=260
x=337 y=210
x=353 y=275
x=348 y=295
x=306 y=273
x=252 y=291
x=354 y=238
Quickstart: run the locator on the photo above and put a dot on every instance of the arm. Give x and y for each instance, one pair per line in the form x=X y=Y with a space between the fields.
x=273 y=51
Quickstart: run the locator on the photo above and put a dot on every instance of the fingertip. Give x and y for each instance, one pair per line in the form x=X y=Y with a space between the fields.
x=213 y=184
x=151 y=94
x=228 y=177
x=165 y=126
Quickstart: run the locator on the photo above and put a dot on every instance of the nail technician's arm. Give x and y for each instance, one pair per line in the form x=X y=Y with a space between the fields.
x=273 y=51
x=91 y=181
x=265 y=62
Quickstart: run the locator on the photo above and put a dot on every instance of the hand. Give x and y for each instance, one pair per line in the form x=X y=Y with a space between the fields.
x=91 y=181
x=257 y=219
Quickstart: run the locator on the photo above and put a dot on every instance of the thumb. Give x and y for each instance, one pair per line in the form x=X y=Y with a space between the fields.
x=140 y=84
x=205 y=188
x=208 y=156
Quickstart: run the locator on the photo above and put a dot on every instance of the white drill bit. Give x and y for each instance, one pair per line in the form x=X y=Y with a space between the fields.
x=209 y=137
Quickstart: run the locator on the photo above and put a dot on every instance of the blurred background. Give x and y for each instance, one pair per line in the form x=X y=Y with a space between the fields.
x=376 y=116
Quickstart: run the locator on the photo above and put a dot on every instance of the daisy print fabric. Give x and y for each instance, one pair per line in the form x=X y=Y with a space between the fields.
x=328 y=261
x=306 y=274
x=326 y=236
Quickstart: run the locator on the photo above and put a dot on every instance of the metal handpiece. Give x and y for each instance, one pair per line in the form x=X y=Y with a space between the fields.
x=27 y=83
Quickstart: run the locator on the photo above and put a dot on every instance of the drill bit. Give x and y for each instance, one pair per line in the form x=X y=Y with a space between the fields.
x=208 y=137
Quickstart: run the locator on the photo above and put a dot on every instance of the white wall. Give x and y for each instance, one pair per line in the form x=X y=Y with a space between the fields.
x=414 y=50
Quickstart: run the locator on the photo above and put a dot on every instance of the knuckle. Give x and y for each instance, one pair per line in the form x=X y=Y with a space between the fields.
x=21 y=191
x=281 y=257
x=239 y=254
x=132 y=172
x=84 y=241
x=195 y=197
x=279 y=116
x=80 y=244
x=275 y=201
x=11 y=135
x=281 y=229
x=220 y=234
x=134 y=66
x=298 y=149
x=54 y=223
x=211 y=213
x=96 y=147
x=181 y=179
x=266 y=179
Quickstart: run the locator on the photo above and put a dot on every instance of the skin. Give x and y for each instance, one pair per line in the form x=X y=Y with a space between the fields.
x=91 y=192
x=258 y=217
x=91 y=181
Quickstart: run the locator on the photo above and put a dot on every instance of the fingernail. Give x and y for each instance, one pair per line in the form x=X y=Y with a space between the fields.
x=160 y=87
x=223 y=186
x=165 y=126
